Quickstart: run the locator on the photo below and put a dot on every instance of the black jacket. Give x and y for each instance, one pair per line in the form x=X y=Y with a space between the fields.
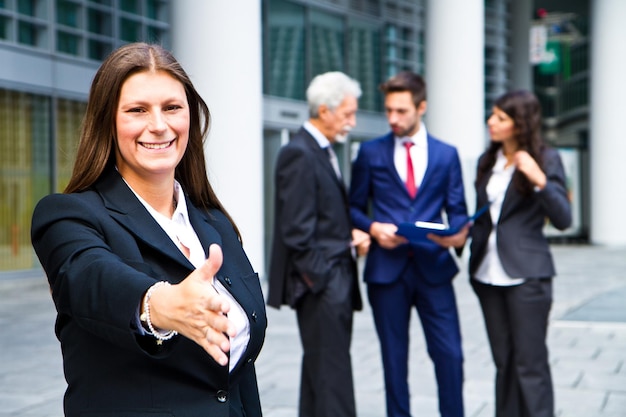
x=101 y=251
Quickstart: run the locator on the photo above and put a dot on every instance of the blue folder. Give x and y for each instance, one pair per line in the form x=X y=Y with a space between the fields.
x=416 y=232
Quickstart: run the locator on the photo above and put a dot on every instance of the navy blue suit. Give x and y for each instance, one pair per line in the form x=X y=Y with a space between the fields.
x=418 y=274
x=101 y=251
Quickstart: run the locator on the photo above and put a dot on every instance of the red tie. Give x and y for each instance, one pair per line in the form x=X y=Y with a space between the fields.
x=410 y=176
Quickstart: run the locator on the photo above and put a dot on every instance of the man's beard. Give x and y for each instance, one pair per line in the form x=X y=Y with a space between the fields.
x=342 y=137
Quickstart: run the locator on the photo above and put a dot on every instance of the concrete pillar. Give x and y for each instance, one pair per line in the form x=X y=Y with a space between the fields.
x=521 y=69
x=454 y=58
x=219 y=45
x=607 y=144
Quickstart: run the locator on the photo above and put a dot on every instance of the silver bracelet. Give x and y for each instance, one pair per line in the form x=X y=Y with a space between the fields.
x=145 y=316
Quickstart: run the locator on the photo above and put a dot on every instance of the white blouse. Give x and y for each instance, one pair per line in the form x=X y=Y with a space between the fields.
x=179 y=229
x=490 y=271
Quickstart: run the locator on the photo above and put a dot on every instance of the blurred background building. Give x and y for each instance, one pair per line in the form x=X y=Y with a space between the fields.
x=252 y=60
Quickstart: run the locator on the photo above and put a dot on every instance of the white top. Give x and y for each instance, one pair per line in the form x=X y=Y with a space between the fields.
x=179 y=229
x=490 y=271
x=419 y=155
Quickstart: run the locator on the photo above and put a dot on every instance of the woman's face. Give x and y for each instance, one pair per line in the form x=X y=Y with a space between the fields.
x=501 y=126
x=152 y=123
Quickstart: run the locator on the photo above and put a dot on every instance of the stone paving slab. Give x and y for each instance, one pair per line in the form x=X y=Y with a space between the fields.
x=588 y=356
x=606 y=307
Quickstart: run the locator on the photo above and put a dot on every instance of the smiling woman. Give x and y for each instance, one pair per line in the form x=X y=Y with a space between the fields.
x=143 y=260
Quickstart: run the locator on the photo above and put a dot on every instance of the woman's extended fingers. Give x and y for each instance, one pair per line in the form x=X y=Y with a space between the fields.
x=197 y=311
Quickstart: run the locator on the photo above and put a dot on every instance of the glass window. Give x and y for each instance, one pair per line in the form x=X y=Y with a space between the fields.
x=24 y=172
x=130 y=30
x=5 y=24
x=99 y=22
x=28 y=34
x=131 y=6
x=69 y=117
x=365 y=61
x=285 y=50
x=83 y=27
x=327 y=48
x=304 y=41
x=34 y=8
x=407 y=34
x=26 y=7
x=68 y=43
x=392 y=33
x=98 y=50
x=155 y=34
x=68 y=13
x=155 y=9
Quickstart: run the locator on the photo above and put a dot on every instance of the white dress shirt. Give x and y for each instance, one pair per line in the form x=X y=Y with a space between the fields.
x=317 y=135
x=490 y=271
x=179 y=229
x=419 y=155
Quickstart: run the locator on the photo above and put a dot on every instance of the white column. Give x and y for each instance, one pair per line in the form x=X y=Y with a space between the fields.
x=454 y=55
x=607 y=140
x=219 y=45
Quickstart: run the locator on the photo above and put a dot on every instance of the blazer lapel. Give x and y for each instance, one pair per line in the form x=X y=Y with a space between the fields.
x=511 y=198
x=126 y=209
x=202 y=225
x=324 y=158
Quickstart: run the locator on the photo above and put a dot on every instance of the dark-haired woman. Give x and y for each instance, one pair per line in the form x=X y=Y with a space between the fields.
x=511 y=267
x=159 y=310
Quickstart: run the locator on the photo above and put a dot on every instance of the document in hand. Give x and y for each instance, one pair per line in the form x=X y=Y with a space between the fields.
x=416 y=232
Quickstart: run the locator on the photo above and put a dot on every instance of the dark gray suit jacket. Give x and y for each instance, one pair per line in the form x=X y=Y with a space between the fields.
x=101 y=251
x=312 y=229
x=522 y=247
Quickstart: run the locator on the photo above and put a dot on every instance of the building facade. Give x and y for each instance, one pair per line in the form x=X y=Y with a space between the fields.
x=252 y=60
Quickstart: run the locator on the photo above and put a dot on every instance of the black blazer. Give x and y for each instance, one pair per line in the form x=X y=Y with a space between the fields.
x=312 y=229
x=101 y=251
x=522 y=247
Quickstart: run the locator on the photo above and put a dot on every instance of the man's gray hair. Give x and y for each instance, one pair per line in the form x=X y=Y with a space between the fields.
x=330 y=88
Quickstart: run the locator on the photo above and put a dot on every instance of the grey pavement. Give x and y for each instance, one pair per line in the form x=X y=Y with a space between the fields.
x=587 y=342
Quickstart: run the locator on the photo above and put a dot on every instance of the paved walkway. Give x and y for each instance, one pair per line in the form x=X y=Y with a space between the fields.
x=587 y=342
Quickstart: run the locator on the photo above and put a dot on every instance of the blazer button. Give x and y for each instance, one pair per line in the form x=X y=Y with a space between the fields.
x=254 y=315
x=228 y=281
x=222 y=396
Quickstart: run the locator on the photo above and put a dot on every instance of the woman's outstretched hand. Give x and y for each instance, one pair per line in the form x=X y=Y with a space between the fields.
x=196 y=310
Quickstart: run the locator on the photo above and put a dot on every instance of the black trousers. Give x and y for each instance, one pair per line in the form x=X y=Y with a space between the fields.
x=325 y=323
x=516 y=319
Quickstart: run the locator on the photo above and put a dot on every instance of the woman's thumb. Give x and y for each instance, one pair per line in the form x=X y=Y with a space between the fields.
x=212 y=264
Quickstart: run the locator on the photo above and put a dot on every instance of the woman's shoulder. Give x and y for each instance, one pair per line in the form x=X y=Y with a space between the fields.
x=549 y=152
x=78 y=208
x=213 y=215
x=88 y=197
